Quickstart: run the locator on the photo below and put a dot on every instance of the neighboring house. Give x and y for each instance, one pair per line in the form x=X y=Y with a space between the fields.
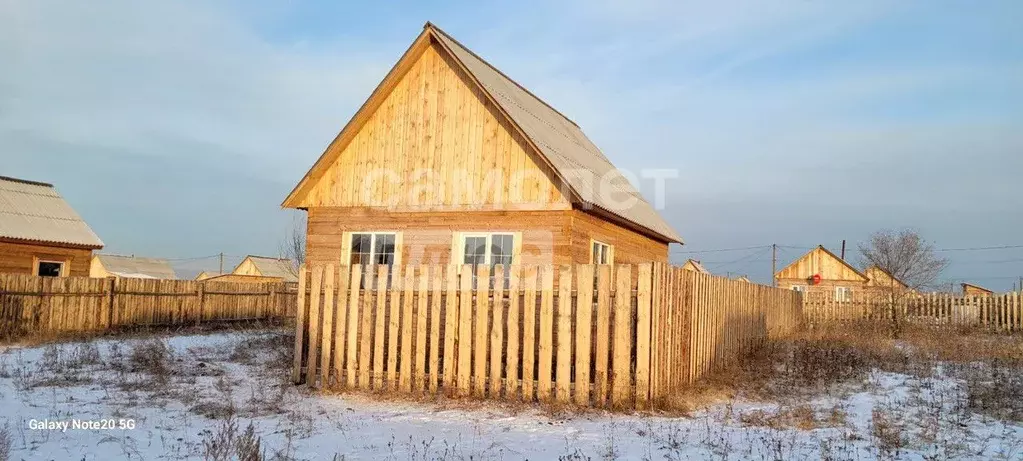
x=277 y=268
x=131 y=267
x=880 y=278
x=451 y=161
x=832 y=274
x=207 y=274
x=40 y=234
x=971 y=289
x=695 y=266
x=245 y=278
x=743 y=278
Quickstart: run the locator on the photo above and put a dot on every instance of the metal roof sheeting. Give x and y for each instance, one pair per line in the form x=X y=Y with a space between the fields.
x=36 y=212
x=578 y=161
x=137 y=268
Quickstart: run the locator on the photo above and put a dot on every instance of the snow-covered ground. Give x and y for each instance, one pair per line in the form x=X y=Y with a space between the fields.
x=150 y=408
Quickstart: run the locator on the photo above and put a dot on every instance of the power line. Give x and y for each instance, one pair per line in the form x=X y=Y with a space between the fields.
x=719 y=250
x=1003 y=247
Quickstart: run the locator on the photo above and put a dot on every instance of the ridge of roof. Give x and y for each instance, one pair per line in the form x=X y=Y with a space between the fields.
x=829 y=253
x=25 y=181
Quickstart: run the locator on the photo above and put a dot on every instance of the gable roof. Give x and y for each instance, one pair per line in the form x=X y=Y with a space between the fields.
x=829 y=253
x=873 y=267
x=694 y=265
x=273 y=267
x=559 y=141
x=137 y=268
x=35 y=212
x=976 y=287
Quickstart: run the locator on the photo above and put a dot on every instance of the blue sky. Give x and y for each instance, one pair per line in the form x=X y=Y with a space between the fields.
x=176 y=128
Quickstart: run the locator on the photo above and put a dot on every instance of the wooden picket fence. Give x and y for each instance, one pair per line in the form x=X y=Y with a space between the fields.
x=46 y=305
x=1001 y=312
x=622 y=336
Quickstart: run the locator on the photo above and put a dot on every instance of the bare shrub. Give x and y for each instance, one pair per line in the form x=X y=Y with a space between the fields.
x=888 y=435
x=6 y=442
x=801 y=417
x=994 y=389
x=228 y=444
x=153 y=357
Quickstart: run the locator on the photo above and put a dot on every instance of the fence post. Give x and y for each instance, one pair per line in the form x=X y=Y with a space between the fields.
x=296 y=372
x=108 y=301
x=202 y=301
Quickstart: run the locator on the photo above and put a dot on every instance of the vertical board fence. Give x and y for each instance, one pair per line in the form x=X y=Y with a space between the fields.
x=30 y=304
x=610 y=336
x=1000 y=313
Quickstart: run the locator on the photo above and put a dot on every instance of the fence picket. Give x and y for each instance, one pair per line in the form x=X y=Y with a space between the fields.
x=583 y=329
x=433 y=362
x=643 y=336
x=545 y=341
x=314 y=326
x=481 y=335
x=327 y=324
x=420 y=331
x=622 y=347
x=529 y=333
x=354 y=306
x=497 y=333
x=511 y=372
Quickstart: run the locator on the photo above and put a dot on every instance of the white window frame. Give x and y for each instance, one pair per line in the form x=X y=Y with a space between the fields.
x=845 y=296
x=36 y=262
x=799 y=288
x=458 y=245
x=610 y=252
x=346 y=245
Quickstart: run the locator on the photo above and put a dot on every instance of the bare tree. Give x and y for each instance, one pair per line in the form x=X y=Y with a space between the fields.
x=292 y=247
x=905 y=257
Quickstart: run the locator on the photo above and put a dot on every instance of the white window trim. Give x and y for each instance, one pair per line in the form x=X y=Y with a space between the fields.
x=36 y=262
x=847 y=294
x=458 y=245
x=346 y=244
x=610 y=252
x=799 y=288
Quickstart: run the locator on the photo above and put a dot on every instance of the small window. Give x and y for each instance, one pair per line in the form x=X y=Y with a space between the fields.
x=50 y=269
x=799 y=288
x=372 y=248
x=600 y=253
x=843 y=294
x=489 y=249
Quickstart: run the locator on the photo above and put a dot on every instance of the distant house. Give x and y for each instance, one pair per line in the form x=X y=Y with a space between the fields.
x=743 y=278
x=695 y=266
x=245 y=278
x=881 y=278
x=278 y=268
x=821 y=270
x=207 y=274
x=40 y=234
x=975 y=290
x=450 y=161
x=131 y=267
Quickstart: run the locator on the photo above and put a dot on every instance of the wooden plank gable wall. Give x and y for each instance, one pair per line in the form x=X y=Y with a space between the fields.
x=437 y=130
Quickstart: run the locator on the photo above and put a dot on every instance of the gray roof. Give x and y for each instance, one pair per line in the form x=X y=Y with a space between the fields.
x=137 y=268
x=275 y=267
x=577 y=160
x=34 y=211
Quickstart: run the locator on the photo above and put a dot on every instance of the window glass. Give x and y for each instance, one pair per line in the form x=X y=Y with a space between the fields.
x=49 y=269
x=601 y=253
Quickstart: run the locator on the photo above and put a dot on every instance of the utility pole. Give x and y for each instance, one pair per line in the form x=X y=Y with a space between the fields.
x=843 y=249
x=774 y=264
x=221 y=263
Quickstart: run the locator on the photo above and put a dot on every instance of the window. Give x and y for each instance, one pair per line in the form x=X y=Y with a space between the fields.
x=372 y=248
x=489 y=249
x=843 y=294
x=50 y=269
x=799 y=288
x=601 y=253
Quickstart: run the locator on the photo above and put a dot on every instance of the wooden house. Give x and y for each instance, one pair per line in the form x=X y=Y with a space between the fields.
x=451 y=161
x=695 y=266
x=880 y=278
x=268 y=267
x=206 y=274
x=821 y=270
x=131 y=267
x=970 y=289
x=743 y=278
x=40 y=234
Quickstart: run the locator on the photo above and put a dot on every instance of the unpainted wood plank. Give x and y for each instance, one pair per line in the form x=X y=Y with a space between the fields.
x=511 y=370
x=420 y=331
x=380 y=326
x=436 y=287
x=529 y=332
x=464 y=340
x=545 y=342
x=563 y=376
x=621 y=379
x=314 y=326
x=327 y=331
x=583 y=331
x=643 y=308
x=395 y=305
x=451 y=325
x=482 y=317
x=405 y=336
x=603 y=335
x=497 y=334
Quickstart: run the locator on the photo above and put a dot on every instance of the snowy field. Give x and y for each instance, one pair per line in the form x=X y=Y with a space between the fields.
x=195 y=396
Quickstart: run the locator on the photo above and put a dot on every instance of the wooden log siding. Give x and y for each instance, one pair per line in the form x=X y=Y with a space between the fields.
x=623 y=336
x=996 y=313
x=49 y=305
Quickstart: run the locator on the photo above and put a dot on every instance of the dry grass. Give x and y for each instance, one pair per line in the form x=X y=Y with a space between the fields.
x=6 y=442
